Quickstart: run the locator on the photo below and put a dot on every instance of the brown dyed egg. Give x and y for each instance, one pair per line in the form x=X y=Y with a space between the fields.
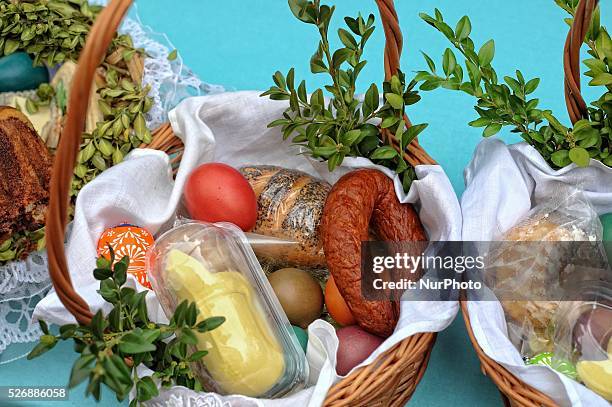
x=299 y=294
x=593 y=330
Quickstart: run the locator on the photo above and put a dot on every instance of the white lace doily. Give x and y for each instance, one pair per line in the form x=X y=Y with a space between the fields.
x=187 y=399
x=171 y=81
x=24 y=283
x=179 y=396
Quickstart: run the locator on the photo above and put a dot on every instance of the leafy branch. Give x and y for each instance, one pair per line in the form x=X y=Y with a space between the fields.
x=343 y=126
x=509 y=104
x=111 y=347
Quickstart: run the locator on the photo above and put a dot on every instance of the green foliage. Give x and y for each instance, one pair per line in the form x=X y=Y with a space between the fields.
x=54 y=32
x=111 y=347
x=123 y=104
x=16 y=245
x=509 y=103
x=342 y=126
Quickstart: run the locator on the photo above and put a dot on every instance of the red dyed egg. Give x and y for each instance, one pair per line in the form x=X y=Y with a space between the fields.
x=216 y=192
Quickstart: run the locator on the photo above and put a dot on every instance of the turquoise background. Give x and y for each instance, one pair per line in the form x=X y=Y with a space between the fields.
x=239 y=44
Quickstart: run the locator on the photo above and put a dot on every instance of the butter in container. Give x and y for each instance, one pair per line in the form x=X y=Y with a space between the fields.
x=255 y=351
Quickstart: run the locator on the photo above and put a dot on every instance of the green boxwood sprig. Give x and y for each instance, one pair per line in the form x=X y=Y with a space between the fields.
x=342 y=126
x=510 y=104
x=112 y=347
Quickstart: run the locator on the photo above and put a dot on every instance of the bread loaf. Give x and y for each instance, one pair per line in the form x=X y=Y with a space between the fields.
x=290 y=204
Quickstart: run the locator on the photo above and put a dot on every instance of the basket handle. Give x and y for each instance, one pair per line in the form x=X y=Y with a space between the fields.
x=414 y=153
x=98 y=41
x=393 y=36
x=576 y=106
x=97 y=44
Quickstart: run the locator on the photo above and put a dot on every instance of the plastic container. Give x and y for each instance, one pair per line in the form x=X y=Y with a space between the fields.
x=255 y=351
x=542 y=256
x=583 y=336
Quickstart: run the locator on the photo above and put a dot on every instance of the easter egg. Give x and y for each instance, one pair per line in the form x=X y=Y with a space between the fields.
x=336 y=306
x=593 y=331
x=216 y=192
x=131 y=241
x=300 y=295
x=355 y=345
x=17 y=73
x=302 y=336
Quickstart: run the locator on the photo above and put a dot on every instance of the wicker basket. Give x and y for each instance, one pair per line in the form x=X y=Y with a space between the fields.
x=394 y=375
x=515 y=392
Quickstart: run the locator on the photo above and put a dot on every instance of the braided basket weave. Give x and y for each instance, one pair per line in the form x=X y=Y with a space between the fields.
x=389 y=381
x=515 y=392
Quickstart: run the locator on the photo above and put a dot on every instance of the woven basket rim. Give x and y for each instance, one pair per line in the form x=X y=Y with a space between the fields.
x=509 y=386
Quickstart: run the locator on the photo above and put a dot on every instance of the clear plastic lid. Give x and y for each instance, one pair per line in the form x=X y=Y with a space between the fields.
x=255 y=351
x=583 y=329
x=583 y=336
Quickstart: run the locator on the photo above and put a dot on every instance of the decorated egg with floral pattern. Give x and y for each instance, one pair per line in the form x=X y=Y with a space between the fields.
x=131 y=241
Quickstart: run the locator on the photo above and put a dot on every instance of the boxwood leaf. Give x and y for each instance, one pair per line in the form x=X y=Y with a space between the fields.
x=579 y=156
x=463 y=28
x=561 y=158
x=603 y=78
x=491 y=130
x=486 y=53
x=383 y=153
x=396 y=101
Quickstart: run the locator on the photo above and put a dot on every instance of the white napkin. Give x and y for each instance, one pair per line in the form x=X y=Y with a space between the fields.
x=501 y=181
x=231 y=128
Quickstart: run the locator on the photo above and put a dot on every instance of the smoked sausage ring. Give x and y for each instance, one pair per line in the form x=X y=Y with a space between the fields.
x=361 y=201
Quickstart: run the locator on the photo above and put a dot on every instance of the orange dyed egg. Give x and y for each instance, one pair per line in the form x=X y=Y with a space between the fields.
x=131 y=241
x=336 y=306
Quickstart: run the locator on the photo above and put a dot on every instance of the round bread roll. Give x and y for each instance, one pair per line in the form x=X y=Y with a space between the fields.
x=532 y=271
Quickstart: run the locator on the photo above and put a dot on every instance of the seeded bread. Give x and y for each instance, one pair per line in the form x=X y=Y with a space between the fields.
x=290 y=204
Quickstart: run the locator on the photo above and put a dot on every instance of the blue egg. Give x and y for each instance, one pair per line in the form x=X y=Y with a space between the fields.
x=17 y=73
x=302 y=336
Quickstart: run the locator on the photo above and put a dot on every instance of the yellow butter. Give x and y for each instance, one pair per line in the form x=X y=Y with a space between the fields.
x=597 y=376
x=244 y=355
